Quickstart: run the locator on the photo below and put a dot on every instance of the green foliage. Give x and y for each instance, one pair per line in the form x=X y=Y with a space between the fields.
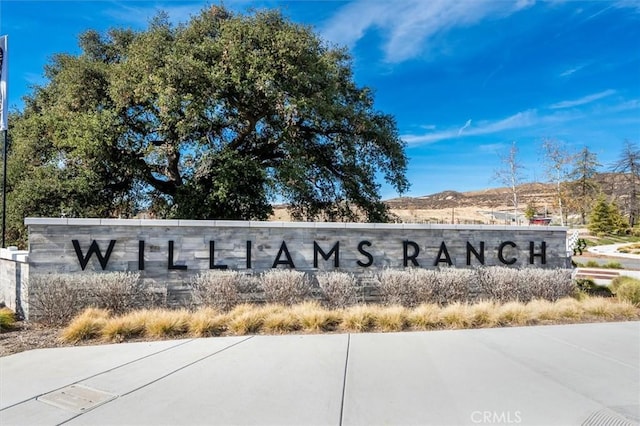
x=618 y=281
x=605 y=218
x=587 y=286
x=583 y=188
x=213 y=118
x=7 y=319
x=630 y=292
x=530 y=210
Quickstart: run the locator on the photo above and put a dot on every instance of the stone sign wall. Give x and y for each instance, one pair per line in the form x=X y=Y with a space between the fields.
x=167 y=253
x=172 y=250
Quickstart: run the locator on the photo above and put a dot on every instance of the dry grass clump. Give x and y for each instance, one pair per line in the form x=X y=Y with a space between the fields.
x=245 y=319
x=217 y=289
x=340 y=289
x=126 y=326
x=314 y=318
x=512 y=313
x=425 y=317
x=162 y=322
x=285 y=286
x=85 y=326
x=357 y=319
x=543 y=311
x=390 y=318
x=482 y=314
x=311 y=317
x=206 y=322
x=455 y=315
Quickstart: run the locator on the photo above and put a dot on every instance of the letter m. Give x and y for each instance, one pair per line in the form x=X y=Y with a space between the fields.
x=93 y=248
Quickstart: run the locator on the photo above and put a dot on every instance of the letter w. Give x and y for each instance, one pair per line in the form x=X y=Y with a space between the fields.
x=93 y=248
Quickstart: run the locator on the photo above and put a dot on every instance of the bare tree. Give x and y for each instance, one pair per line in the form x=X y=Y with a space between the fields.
x=510 y=175
x=556 y=158
x=629 y=165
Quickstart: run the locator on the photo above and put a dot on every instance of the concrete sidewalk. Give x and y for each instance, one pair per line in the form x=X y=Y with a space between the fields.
x=571 y=374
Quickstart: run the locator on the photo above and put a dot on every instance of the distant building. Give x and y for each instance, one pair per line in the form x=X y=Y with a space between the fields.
x=540 y=220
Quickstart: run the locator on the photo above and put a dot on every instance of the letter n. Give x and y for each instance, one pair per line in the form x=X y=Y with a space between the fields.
x=93 y=248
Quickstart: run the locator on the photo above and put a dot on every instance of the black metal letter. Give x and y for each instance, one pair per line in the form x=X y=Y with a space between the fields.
x=501 y=256
x=141 y=255
x=248 y=254
x=212 y=251
x=93 y=248
x=542 y=255
x=479 y=256
x=443 y=251
x=289 y=261
x=366 y=254
x=171 y=265
x=405 y=253
x=335 y=250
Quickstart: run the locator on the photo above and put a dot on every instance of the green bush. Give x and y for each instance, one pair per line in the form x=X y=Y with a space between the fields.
x=587 y=286
x=622 y=279
x=613 y=265
x=7 y=319
x=629 y=292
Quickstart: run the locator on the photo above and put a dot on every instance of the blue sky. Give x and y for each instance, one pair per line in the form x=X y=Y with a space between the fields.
x=464 y=79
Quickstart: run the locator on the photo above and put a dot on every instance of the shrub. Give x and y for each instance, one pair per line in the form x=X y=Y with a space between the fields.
x=119 y=292
x=503 y=284
x=217 y=289
x=547 y=284
x=451 y=285
x=592 y=264
x=285 y=286
x=619 y=280
x=339 y=288
x=590 y=288
x=500 y=284
x=407 y=287
x=629 y=292
x=7 y=319
x=55 y=299
x=613 y=265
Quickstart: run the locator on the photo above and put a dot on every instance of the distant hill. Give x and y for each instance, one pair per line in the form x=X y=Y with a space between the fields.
x=488 y=206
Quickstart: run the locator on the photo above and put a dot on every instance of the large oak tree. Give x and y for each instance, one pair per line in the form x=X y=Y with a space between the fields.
x=214 y=118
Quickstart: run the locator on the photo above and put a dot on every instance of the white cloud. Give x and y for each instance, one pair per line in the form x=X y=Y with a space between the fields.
x=520 y=120
x=569 y=72
x=463 y=128
x=584 y=100
x=411 y=26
